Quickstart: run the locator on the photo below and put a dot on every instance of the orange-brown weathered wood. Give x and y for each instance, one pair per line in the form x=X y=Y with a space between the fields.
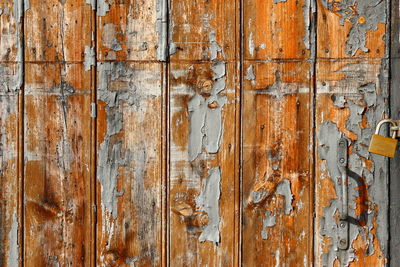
x=277 y=168
x=277 y=29
x=131 y=30
x=58 y=75
x=10 y=119
x=57 y=180
x=351 y=29
x=204 y=128
x=129 y=170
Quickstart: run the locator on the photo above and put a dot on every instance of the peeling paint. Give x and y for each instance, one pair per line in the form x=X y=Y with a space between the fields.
x=250 y=73
x=251 y=44
x=214 y=47
x=92 y=3
x=13 y=257
x=364 y=17
x=208 y=201
x=111 y=153
x=268 y=221
x=161 y=29
x=306 y=17
x=285 y=190
x=27 y=5
x=102 y=7
x=279 y=89
x=90 y=59
x=279 y=1
x=206 y=116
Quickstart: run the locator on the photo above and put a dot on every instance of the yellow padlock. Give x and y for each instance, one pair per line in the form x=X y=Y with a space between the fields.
x=383 y=145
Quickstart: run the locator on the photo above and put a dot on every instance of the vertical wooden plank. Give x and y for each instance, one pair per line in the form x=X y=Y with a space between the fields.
x=204 y=126
x=131 y=132
x=277 y=170
x=352 y=96
x=277 y=133
x=11 y=77
x=129 y=163
x=394 y=186
x=58 y=75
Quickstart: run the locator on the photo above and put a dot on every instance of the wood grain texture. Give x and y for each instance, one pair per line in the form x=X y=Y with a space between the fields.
x=351 y=29
x=203 y=178
x=277 y=29
x=59 y=84
x=277 y=169
x=130 y=166
x=351 y=98
x=204 y=151
x=131 y=30
x=204 y=30
x=10 y=118
x=57 y=154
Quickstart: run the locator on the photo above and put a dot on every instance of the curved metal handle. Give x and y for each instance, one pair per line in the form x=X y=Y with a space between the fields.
x=342 y=159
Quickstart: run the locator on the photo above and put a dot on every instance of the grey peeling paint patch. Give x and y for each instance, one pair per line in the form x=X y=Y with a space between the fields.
x=251 y=44
x=92 y=3
x=250 y=73
x=89 y=57
x=10 y=79
x=208 y=201
x=306 y=16
x=279 y=1
x=285 y=190
x=111 y=154
x=13 y=257
x=268 y=221
x=214 y=47
x=279 y=89
x=364 y=16
x=206 y=116
x=161 y=29
x=27 y=5
x=339 y=100
x=257 y=196
x=102 y=7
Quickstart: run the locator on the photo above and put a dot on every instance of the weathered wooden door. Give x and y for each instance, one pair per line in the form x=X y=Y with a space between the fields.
x=197 y=132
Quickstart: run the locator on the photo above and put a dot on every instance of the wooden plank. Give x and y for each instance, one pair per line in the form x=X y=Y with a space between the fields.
x=132 y=30
x=204 y=130
x=351 y=28
x=57 y=154
x=204 y=30
x=130 y=169
x=203 y=176
x=57 y=30
x=352 y=95
x=11 y=82
x=277 y=29
x=277 y=118
x=131 y=165
x=58 y=209
x=277 y=167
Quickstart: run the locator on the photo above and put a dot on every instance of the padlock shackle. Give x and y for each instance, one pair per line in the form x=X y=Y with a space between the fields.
x=378 y=127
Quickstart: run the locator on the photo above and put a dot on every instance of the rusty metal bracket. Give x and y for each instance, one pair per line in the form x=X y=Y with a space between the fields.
x=342 y=161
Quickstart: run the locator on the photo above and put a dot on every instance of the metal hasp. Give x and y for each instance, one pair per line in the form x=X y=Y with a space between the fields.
x=342 y=159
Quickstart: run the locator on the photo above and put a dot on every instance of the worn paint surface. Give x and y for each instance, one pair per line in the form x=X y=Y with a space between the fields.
x=172 y=134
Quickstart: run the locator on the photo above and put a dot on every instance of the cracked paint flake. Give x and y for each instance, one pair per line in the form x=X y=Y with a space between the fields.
x=284 y=189
x=208 y=201
x=13 y=257
x=161 y=29
x=250 y=73
x=364 y=17
x=268 y=221
x=90 y=59
x=102 y=7
x=206 y=116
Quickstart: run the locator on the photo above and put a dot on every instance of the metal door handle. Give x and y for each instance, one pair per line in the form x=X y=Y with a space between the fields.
x=342 y=160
